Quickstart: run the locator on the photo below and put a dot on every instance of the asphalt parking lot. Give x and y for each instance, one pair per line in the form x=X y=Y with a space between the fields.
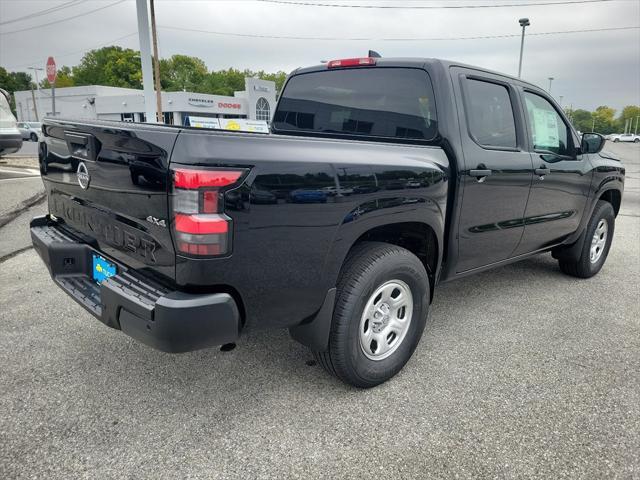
x=522 y=373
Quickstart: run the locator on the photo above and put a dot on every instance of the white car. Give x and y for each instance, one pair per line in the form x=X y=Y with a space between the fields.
x=625 y=137
x=10 y=138
x=30 y=130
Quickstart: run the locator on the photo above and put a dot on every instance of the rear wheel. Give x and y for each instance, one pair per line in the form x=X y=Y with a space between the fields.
x=381 y=310
x=599 y=234
x=34 y=137
x=637 y=140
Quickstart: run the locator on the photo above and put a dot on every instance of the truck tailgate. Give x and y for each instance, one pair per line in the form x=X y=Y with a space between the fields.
x=108 y=183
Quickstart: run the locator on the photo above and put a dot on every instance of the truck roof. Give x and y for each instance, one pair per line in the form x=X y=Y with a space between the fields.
x=417 y=62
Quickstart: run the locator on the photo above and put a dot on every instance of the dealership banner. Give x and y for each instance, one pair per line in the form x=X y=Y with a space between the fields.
x=233 y=124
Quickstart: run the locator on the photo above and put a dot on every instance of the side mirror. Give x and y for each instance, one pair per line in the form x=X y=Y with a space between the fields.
x=592 y=142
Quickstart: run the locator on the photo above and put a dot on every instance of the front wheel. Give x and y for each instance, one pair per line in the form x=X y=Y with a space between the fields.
x=34 y=137
x=381 y=309
x=599 y=234
x=637 y=140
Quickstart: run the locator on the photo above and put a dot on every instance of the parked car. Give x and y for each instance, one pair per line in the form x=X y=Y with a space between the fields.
x=332 y=191
x=625 y=137
x=260 y=196
x=307 y=195
x=30 y=130
x=179 y=266
x=10 y=138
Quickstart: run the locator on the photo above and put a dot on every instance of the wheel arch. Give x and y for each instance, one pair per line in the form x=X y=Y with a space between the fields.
x=614 y=197
x=418 y=237
x=421 y=238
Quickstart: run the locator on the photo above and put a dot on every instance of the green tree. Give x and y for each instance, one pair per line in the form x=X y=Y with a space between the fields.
x=182 y=72
x=113 y=66
x=604 y=119
x=224 y=82
x=15 y=82
x=582 y=120
x=629 y=113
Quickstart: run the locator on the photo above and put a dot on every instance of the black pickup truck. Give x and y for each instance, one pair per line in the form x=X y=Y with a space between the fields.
x=380 y=179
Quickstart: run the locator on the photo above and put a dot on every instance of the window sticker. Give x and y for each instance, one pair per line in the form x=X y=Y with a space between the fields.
x=545 y=127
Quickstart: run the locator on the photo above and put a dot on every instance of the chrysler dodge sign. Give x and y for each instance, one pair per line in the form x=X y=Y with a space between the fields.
x=207 y=102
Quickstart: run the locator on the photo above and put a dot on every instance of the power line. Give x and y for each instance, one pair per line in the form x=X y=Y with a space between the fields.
x=407 y=39
x=63 y=19
x=430 y=7
x=68 y=54
x=46 y=11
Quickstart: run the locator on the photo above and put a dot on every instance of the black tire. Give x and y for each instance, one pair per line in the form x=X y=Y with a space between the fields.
x=368 y=266
x=584 y=267
x=33 y=137
x=616 y=140
x=637 y=140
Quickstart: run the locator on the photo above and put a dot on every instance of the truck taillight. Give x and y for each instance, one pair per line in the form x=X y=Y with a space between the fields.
x=352 y=62
x=200 y=225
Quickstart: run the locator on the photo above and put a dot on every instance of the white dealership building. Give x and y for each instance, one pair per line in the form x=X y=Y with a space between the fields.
x=256 y=102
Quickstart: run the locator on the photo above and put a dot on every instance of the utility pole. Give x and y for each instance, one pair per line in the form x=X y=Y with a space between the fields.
x=550 y=80
x=145 y=57
x=156 y=61
x=524 y=23
x=560 y=100
x=35 y=106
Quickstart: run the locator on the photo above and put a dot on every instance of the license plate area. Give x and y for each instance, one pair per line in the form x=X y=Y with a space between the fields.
x=102 y=269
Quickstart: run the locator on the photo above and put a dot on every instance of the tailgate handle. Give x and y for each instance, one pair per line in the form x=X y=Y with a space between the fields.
x=81 y=145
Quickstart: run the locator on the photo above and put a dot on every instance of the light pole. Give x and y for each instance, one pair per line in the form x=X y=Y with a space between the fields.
x=524 y=23
x=147 y=65
x=550 y=80
x=636 y=131
x=593 y=125
x=560 y=100
x=36 y=101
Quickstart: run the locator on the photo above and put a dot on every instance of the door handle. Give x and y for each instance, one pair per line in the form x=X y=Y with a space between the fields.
x=542 y=171
x=480 y=173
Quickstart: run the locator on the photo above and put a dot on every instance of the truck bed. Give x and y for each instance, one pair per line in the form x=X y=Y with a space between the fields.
x=303 y=202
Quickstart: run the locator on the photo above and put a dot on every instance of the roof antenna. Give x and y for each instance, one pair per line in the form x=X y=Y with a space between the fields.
x=374 y=54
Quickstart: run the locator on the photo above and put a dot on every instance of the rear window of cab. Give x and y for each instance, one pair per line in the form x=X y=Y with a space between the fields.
x=388 y=102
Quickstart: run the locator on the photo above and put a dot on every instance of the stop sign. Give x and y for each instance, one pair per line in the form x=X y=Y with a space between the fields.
x=51 y=70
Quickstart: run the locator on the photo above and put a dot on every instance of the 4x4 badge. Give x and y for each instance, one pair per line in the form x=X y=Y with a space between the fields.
x=83 y=176
x=156 y=221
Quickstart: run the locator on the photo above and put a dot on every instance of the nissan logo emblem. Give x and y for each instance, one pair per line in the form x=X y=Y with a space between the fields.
x=83 y=176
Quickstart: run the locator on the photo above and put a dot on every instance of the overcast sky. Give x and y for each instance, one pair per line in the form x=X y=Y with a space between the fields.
x=590 y=69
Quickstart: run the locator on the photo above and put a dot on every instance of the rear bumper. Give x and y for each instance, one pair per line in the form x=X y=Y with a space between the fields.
x=164 y=319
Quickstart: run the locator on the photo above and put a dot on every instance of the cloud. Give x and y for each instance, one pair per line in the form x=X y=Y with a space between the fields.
x=590 y=69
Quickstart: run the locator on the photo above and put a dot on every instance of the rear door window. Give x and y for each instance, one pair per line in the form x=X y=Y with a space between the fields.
x=490 y=115
x=375 y=102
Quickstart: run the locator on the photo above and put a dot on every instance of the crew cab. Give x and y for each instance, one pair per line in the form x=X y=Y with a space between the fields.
x=186 y=238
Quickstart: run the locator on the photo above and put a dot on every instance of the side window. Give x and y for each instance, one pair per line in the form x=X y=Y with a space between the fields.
x=547 y=129
x=489 y=113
